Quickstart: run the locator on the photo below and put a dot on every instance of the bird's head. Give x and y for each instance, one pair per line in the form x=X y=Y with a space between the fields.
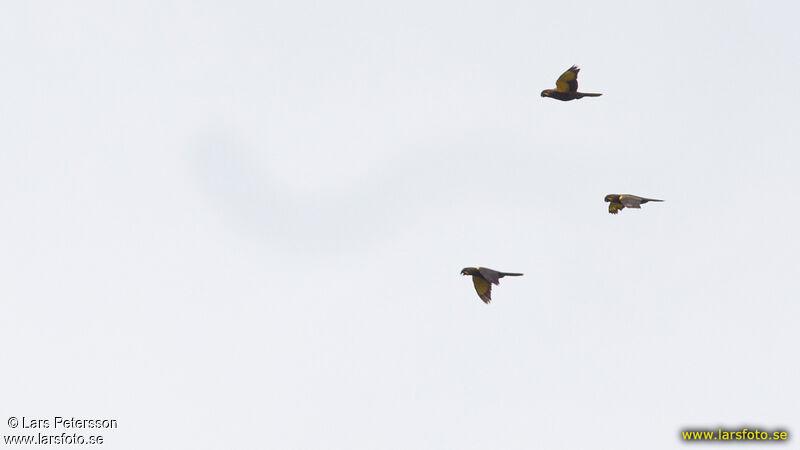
x=609 y=198
x=467 y=271
x=546 y=93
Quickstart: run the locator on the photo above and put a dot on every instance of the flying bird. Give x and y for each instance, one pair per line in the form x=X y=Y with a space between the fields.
x=620 y=201
x=483 y=279
x=567 y=87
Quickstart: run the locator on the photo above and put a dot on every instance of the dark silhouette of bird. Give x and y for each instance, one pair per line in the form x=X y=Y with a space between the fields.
x=483 y=279
x=567 y=87
x=616 y=202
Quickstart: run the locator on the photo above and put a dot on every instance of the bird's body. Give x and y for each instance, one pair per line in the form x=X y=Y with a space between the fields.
x=617 y=202
x=567 y=87
x=567 y=96
x=483 y=279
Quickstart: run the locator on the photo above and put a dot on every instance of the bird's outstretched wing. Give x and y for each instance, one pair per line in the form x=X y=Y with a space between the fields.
x=568 y=81
x=483 y=288
x=615 y=207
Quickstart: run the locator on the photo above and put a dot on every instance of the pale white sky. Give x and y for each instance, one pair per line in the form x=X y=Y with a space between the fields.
x=242 y=226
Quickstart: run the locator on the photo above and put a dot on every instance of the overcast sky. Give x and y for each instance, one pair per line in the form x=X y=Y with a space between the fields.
x=242 y=225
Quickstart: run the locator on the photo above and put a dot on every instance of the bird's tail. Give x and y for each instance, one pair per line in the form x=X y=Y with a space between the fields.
x=645 y=200
x=587 y=94
x=507 y=274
